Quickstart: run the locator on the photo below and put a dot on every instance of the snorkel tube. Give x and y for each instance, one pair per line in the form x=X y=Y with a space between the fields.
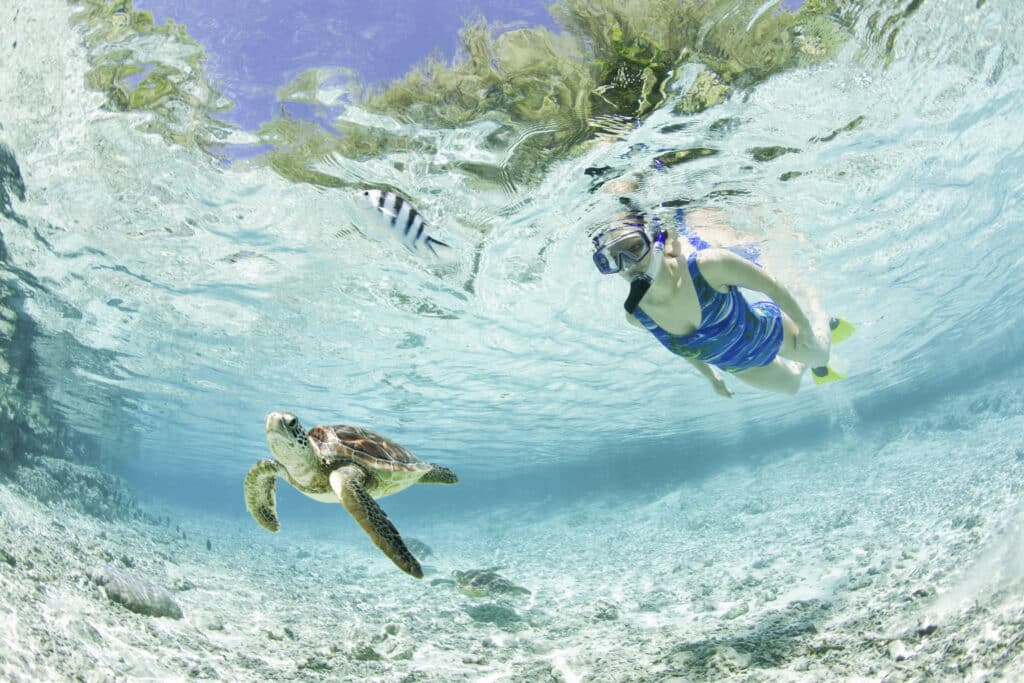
x=639 y=285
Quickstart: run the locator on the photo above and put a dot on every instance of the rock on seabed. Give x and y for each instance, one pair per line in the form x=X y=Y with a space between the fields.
x=135 y=593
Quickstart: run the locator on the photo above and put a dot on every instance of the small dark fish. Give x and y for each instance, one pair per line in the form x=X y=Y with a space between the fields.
x=400 y=218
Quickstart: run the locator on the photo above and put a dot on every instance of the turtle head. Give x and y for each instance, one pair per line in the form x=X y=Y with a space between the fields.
x=288 y=441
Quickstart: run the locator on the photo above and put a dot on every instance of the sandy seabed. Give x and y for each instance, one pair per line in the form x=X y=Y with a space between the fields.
x=895 y=556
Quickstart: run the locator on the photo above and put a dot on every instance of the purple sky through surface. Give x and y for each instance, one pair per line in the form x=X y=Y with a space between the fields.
x=256 y=46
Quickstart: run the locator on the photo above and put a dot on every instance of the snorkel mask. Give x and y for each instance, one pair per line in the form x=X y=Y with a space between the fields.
x=631 y=246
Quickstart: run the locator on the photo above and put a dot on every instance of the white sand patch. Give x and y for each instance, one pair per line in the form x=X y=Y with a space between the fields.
x=890 y=556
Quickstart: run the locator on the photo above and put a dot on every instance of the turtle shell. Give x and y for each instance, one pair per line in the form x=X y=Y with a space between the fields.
x=337 y=445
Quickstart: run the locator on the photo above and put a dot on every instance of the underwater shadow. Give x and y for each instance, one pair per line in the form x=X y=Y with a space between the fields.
x=649 y=467
x=774 y=642
x=642 y=467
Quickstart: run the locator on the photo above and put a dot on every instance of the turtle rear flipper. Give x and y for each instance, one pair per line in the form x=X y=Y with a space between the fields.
x=347 y=483
x=439 y=475
x=260 y=493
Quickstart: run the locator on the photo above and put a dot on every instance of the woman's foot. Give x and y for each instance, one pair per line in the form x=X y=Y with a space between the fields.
x=825 y=374
x=841 y=329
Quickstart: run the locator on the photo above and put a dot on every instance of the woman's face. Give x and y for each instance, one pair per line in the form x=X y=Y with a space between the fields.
x=625 y=247
x=631 y=270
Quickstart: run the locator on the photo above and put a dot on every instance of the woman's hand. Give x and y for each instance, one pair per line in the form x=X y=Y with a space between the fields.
x=713 y=376
x=805 y=338
x=720 y=388
x=810 y=347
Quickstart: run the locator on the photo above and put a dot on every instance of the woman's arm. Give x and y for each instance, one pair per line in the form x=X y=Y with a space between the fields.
x=723 y=269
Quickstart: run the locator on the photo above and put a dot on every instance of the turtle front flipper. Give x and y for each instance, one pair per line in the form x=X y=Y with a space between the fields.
x=260 y=494
x=439 y=475
x=347 y=483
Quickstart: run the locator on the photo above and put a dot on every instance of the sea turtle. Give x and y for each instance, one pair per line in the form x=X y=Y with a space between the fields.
x=345 y=464
x=479 y=583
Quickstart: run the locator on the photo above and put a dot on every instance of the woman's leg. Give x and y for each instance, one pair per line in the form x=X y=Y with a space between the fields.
x=815 y=354
x=782 y=376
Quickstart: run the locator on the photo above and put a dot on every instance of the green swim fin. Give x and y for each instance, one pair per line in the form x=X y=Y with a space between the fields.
x=841 y=329
x=825 y=374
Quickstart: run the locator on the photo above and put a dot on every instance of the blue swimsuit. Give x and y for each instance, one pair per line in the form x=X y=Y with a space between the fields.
x=734 y=334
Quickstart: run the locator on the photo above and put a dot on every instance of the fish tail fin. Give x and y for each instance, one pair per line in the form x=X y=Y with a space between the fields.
x=430 y=242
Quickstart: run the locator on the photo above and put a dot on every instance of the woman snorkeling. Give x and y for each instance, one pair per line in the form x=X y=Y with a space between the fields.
x=685 y=291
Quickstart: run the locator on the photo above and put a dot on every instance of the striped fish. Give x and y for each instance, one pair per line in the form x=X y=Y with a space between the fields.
x=400 y=217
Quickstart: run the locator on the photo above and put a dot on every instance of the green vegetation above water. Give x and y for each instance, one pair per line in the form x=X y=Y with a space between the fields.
x=542 y=95
x=164 y=76
x=548 y=94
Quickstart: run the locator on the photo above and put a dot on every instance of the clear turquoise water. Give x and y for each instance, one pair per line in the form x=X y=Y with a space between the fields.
x=173 y=299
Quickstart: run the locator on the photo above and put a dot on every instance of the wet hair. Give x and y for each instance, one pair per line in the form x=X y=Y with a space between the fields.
x=630 y=204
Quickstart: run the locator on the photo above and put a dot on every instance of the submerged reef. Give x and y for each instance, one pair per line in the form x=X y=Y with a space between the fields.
x=23 y=415
x=39 y=453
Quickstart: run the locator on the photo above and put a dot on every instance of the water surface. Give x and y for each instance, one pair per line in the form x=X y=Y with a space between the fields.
x=181 y=255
